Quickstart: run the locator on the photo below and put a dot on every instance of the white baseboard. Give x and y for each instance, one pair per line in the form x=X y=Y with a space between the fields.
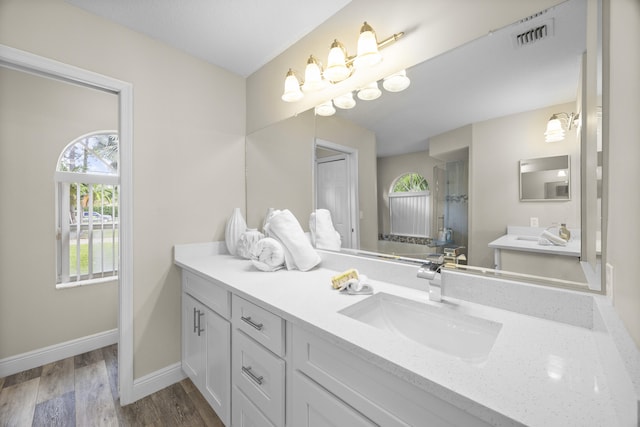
x=157 y=380
x=33 y=359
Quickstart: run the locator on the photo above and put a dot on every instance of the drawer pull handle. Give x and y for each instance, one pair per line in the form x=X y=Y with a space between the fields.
x=200 y=314
x=250 y=322
x=249 y=372
x=195 y=327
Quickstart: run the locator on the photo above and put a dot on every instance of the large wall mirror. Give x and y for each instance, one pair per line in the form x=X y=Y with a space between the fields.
x=465 y=122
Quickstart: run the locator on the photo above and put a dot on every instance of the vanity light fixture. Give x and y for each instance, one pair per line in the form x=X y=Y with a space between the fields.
x=394 y=83
x=558 y=124
x=340 y=66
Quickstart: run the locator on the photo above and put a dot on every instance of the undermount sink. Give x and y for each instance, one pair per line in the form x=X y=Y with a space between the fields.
x=438 y=327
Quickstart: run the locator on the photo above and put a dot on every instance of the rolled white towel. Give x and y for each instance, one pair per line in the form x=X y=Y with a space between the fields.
x=247 y=242
x=268 y=255
x=298 y=252
x=323 y=233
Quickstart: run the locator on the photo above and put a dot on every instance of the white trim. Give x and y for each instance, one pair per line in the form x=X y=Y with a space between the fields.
x=86 y=178
x=42 y=356
x=155 y=381
x=34 y=64
x=88 y=282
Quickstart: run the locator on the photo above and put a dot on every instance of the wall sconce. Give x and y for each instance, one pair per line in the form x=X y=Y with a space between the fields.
x=558 y=124
x=340 y=66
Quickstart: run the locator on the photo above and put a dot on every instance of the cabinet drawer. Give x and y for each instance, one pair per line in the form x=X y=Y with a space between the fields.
x=314 y=406
x=260 y=324
x=207 y=292
x=260 y=375
x=245 y=414
x=386 y=399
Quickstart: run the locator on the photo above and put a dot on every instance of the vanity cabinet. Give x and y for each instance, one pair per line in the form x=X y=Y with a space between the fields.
x=206 y=339
x=259 y=370
x=256 y=369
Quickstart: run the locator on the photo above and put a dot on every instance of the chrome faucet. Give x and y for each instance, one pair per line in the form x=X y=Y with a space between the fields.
x=431 y=272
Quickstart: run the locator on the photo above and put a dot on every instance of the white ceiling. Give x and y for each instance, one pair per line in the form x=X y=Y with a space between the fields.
x=237 y=35
x=484 y=79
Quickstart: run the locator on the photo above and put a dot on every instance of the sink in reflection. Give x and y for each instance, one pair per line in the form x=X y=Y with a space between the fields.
x=529 y=238
x=438 y=327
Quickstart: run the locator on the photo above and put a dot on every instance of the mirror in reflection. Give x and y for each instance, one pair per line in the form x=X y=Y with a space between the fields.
x=546 y=178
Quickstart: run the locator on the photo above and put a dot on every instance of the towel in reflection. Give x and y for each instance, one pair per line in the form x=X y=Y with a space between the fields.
x=323 y=234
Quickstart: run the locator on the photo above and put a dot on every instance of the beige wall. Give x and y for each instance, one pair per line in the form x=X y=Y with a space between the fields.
x=39 y=117
x=392 y=167
x=497 y=147
x=279 y=169
x=343 y=132
x=188 y=148
x=623 y=231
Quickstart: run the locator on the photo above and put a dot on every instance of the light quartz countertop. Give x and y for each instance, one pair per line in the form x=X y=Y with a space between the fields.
x=526 y=239
x=540 y=372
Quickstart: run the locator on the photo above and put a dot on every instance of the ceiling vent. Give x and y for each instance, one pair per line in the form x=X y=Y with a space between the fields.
x=534 y=33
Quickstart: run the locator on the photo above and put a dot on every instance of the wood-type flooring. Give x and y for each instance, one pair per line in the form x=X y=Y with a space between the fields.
x=82 y=391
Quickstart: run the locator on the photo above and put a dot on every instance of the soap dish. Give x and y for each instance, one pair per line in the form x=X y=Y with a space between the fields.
x=365 y=290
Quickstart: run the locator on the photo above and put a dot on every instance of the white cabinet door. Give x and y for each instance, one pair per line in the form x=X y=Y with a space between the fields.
x=206 y=354
x=192 y=345
x=217 y=387
x=313 y=406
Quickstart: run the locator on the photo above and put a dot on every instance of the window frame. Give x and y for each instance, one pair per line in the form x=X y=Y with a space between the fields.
x=63 y=181
x=411 y=198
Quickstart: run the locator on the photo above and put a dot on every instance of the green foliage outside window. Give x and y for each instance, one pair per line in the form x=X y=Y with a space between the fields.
x=411 y=182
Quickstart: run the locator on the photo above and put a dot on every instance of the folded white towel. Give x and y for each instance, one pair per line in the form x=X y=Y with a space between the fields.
x=268 y=255
x=323 y=233
x=298 y=252
x=556 y=240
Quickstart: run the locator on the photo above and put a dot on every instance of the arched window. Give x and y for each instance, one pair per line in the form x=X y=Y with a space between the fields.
x=87 y=194
x=409 y=205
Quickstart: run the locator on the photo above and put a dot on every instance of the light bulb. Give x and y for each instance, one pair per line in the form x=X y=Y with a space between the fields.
x=325 y=109
x=345 y=101
x=555 y=131
x=396 y=82
x=337 y=69
x=370 y=92
x=292 y=92
x=313 y=76
x=368 y=54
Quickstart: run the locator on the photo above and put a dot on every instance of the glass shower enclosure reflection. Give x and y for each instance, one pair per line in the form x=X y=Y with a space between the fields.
x=451 y=206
